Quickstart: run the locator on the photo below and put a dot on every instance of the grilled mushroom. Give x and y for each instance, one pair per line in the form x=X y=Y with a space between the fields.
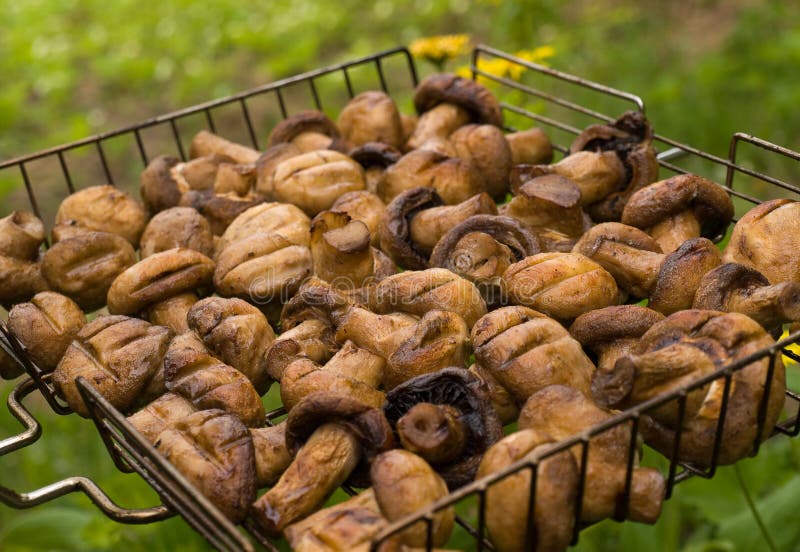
x=375 y=157
x=363 y=206
x=736 y=288
x=9 y=369
x=630 y=137
x=266 y=165
x=214 y=451
x=502 y=401
x=525 y=351
x=481 y=248
x=562 y=412
x=416 y=220
x=190 y=371
x=177 y=227
x=46 y=326
x=272 y=456
x=609 y=334
x=219 y=209
x=84 y=267
x=279 y=218
x=486 y=148
x=308 y=131
x=446 y=418
x=21 y=235
x=404 y=483
x=104 y=209
x=371 y=117
x=561 y=285
x=206 y=143
x=158 y=187
x=341 y=251
x=679 y=208
x=689 y=345
x=311 y=339
x=172 y=312
x=507 y=500
x=767 y=238
x=637 y=264
x=157 y=416
x=454 y=179
x=329 y=435
x=117 y=355
x=237 y=333
x=530 y=146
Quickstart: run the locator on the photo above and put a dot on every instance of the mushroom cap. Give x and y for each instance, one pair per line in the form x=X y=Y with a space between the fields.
x=219 y=209
x=680 y=274
x=21 y=235
x=395 y=228
x=315 y=300
x=177 y=227
x=375 y=154
x=371 y=116
x=661 y=200
x=459 y=388
x=305 y=121
x=281 y=218
x=475 y=98
x=367 y=424
x=158 y=188
x=602 y=326
x=105 y=209
x=718 y=283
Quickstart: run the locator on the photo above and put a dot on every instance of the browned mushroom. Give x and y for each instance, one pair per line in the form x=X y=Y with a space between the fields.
x=507 y=500
x=84 y=267
x=371 y=116
x=177 y=227
x=454 y=179
x=525 y=351
x=363 y=206
x=159 y=277
x=486 y=148
x=733 y=287
x=689 y=345
x=767 y=238
x=563 y=412
x=314 y=180
x=609 y=334
x=446 y=418
x=550 y=206
x=481 y=248
x=416 y=220
x=9 y=368
x=561 y=285
x=630 y=137
x=235 y=332
x=679 y=208
x=636 y=262
x=158 y=187
x=280 y=218
x=214 y=451
x=304 y=377
x=19 y=280
x=404 y=483
x=311 y=339
x=341 y=251
x=329 y=435
x=375 y=157
x=219 y=209
x=157 y=416
x=46 y=326
x=272 y=456
x=105 y=209
x=235 y=178
x=308 y=131
x=266 y=165
x=502 y=401
x=530 y=146
x=190 y=371
x=21 y=235
x=206 y=143
x=171 y=312
x=118 y=356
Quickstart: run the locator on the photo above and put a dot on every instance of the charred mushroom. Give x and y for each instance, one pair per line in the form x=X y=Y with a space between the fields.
x=308 y=131
x=206 y=143
x=214 y=451
x=525 y=351
x=481 y=248
x=272 y=456
x=530 y=146
x=177 y=227
x=562 y=412
x=733 y=287
x=630 y=137
x=446 y=418
x=454 y=179
x=561 y=285
x=117 y=355
x=157 y=416
x=507 y=500
x=329 y=435
x=635 y=261
x=46 y=326
x=375 y=157
x=767 y=238
x=689 y=345
x=486 y=148
x=105 y=209
x=371 y=116
x=679 y=208
x=84 y=267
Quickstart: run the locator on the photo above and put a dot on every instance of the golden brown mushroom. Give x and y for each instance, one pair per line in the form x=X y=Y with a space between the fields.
x=486 y=148
x=171 y=312
x=308 y=131
x=341 y=251
x=375 y=157
x=371 y=116
x=363 y=206
x=272 y=456
x=158 y=415
x=21 y=235
x=105 y=209
x=177 y=227
x=454 y=179
x=266 y=165
x=530 y=146
x=206 y=143
x=270 y=218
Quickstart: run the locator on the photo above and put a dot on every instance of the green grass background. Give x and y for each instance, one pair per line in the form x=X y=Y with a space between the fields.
x=75 y=67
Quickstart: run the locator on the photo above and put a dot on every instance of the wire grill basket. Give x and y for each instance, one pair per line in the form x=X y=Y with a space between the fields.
x=560 y=103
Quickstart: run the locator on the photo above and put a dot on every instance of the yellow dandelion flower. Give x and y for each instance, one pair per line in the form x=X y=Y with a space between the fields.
x=795 y=348
x=464 y=71
x=438 y=49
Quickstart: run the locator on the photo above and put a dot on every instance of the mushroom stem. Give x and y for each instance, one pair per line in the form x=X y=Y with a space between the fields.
x=635 y=269
x=380 y=334
x=206 y=143
x=326 y=460
x=769 y=305
x=433 y=431
x=272 y=455
x=671 y=232
x=429 y=225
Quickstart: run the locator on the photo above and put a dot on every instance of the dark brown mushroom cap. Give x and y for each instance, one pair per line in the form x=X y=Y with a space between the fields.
x=367 y=424
x=611 y=323
x=475 y=98
x=21 y=235
x=717 y=284
x=680 y=274
x=505 y=230
x=465 y=392
x=395 y=229
x=158 y=188
x=621 y=136
x=219 y=209
x=315 y=300
x=375 y=154
x=305 y=121
x=711 y=204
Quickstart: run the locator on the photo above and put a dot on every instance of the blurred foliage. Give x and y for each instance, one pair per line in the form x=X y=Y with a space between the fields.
x=705 y=69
